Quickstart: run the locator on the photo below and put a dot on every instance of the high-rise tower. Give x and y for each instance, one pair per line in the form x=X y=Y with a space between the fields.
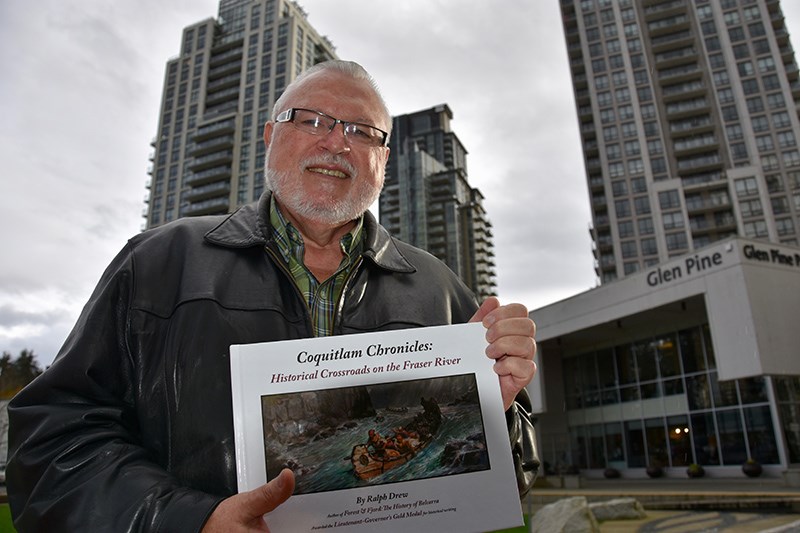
x=689 y=124
x=428 y=202
x=218 y=93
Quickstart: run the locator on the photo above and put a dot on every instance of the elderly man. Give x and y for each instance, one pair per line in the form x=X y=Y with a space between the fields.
x=131 y=428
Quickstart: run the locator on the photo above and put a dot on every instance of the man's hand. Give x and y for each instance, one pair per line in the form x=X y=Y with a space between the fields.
x=245 y=512
x=509 y=333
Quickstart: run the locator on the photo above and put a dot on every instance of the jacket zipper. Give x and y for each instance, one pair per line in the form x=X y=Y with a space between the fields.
x=340 y=303
x=279 y=262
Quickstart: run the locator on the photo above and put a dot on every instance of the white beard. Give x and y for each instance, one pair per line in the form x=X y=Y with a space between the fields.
x=290 y=194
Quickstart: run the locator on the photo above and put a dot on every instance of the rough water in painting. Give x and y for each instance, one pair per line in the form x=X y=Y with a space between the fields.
x=323 y=463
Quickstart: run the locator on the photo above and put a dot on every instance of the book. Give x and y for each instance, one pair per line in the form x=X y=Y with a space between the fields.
x=390 y=430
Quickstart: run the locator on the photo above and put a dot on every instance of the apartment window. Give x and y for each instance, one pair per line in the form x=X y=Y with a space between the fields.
x=740 y=51
x=755 y=104
x=775 y=101
x=756 y=229
x=739 y=151
x=642 y=205
x=592 y=34
x=761 y=47
x=746 y=187
x=669 y=199
x=609 y=30
x=619 y=79
x=784 y=226
x=649 y=246
x=623 y=95
x=780 y=120
x=625 y=112
x=716 y=61
x=590 y=19
x=769 y=162
x=756 y=29
x=712 y=44
x=791 y=159
x=613 y=46
x=766 y=64
x=615 y=62
x=676 y=241
x=704 y=12
x=631 y=30
x=604 y=99
x=750 y=86
x=725 y=96
x=734 y=132
x=613 y=151
x=793 y=178
x=708 y=27
x=646 y=226
x=774 y=183
x=634 y=45
x=720 y=78
x=764 y=143
x=622 y=208
x=616 y=170
x=780 y=205
x=601 y=82
x=632 y=148
x=610 y=133
x=751 y=208
x=644 y=94
x=729 y=113
x=635 y=166
x=607 y=115
x=745 y=69
x=598 y=65
x=673 y=220
x=786 y=139
x=771 y=82
x=629 y=249
x=638 y=185
x=759 y=123
x=629 y=130
x=648 y=111
x=736 y=34
x=731 y=18
x=625 y=229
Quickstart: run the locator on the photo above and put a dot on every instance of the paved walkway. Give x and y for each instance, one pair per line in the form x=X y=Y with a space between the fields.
x=674 y=505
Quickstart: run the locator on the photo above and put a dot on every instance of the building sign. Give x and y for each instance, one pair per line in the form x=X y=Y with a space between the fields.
x=771 y=255
x=691 y=265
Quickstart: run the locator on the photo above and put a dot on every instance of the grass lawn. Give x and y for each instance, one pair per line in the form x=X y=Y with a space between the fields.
x=5 y=519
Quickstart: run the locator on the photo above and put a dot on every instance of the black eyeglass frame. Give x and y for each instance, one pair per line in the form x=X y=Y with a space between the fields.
x=289 y=115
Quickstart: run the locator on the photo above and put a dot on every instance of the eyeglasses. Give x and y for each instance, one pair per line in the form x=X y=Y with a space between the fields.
x=318 y=123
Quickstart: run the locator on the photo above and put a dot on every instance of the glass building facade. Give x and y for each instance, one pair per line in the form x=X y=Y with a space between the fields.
x=702 y=420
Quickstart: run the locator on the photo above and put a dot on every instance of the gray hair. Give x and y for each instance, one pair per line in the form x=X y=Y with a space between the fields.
x=348 y=68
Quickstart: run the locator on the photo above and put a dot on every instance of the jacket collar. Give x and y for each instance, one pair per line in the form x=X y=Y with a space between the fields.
x=249 y=226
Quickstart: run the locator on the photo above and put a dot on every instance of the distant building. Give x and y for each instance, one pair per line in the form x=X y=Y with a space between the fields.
x=688 y=351
x=689 y=125
x=218 y=93
x=428 y=202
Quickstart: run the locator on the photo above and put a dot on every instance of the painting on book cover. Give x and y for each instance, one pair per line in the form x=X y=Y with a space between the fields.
x=375 y=434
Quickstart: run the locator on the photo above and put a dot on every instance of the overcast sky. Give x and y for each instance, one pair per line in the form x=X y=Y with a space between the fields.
x=79 y=99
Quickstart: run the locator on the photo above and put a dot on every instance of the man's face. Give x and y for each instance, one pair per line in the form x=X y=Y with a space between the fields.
x=325 y=178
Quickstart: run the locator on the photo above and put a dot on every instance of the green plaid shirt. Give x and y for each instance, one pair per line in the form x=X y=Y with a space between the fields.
x=321 y=298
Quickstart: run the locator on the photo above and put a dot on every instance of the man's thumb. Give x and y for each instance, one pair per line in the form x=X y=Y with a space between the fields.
x=267 y=497
x=488 y=305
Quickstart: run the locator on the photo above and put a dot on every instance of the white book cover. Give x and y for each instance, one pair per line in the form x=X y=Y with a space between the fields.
x=397 y=431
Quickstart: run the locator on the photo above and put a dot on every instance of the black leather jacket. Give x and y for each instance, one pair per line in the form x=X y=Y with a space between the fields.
x=130 y=429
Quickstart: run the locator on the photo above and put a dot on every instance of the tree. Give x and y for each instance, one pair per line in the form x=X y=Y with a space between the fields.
x=17 y=372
